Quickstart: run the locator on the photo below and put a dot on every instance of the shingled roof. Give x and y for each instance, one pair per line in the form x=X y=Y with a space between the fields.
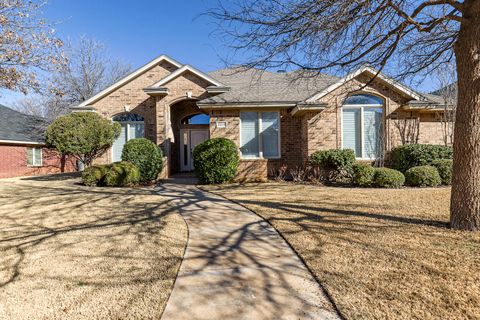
x=256 y=86
x=19 y=127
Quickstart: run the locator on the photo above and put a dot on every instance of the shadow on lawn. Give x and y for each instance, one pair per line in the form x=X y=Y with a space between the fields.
x=83 y=236
x=250 y=253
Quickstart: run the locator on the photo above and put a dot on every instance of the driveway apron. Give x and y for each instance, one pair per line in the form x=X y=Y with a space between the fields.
x=236 y=266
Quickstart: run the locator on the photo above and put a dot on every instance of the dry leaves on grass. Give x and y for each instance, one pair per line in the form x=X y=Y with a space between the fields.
x=381 y=254
x=73 y=252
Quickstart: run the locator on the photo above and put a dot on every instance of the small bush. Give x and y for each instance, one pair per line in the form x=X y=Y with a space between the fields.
x=93 y=176
x=388 y=178
x=121 y=174
x=363 y=174
x=445 y=170
x=146 y=156
x=338 y=162
x=215 y=160
x=413 y=155
x=423 y=176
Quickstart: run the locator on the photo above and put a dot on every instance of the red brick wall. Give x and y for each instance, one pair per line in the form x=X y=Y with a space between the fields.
x=13 y=162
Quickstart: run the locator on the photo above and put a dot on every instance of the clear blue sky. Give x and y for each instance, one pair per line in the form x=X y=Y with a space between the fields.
x=135 y=32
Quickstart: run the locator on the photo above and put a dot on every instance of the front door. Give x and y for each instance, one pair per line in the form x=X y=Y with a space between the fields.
x=190 y=139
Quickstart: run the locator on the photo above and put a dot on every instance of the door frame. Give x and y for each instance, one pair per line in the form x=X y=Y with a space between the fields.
x=189 y=167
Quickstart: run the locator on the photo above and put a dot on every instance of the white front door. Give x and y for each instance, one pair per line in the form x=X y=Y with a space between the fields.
x=190 y=139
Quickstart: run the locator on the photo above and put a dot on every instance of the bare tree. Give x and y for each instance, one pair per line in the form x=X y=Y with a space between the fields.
x=408 y=128
x=89 y=70
x=404 y=37
x=28 y=45
x=447 y=81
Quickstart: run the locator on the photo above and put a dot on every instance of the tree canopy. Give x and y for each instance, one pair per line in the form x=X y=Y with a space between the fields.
x=83 y=135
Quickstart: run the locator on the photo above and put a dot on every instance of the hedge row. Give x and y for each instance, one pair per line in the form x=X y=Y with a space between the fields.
x=364 y=175
x=413 y=155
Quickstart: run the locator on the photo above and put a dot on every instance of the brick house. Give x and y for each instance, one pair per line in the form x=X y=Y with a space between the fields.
x=274 y=118
x=22 y=147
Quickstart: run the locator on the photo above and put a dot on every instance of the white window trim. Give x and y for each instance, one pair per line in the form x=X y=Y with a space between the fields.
x=260 y=137
x=33 y=157
x=362 y=107
x=128 y=123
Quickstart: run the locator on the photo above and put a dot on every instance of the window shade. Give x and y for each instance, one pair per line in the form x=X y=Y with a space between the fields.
x=30 y=156
x=249 y=143
x=351 y=131
x=119 y=143
x=270 y=128
x=37 y=161
x=372 y=120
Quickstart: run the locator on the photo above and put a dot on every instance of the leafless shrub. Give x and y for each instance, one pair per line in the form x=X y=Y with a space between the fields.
x=299 y=173
x=315 y=175
x=279 y=174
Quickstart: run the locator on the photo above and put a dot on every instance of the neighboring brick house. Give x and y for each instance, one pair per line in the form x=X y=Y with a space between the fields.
x=22 y=147
x=275 y=118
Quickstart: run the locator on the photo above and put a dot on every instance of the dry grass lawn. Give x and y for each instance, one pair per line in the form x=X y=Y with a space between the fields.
x=380 y=254
x=72 y=252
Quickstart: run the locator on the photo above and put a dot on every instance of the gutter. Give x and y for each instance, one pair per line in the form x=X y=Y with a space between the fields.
x=19 y=142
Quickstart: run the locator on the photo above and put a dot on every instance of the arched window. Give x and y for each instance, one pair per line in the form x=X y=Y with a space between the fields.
x=362 y=125
x=132 y=126
x=199 y=118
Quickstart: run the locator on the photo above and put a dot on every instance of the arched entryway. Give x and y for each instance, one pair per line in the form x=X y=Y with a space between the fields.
x=132 y=126
x=190 y=127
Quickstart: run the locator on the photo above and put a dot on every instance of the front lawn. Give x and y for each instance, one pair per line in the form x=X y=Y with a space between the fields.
x=72 y=252
x=380 y=253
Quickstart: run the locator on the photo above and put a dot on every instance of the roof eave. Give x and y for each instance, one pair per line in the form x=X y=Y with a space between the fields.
x=302 y=109
x=159 y=91
x=242 y=105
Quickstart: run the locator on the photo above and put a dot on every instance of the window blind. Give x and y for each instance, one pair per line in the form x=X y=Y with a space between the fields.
x=352 y=131
x=249 y=140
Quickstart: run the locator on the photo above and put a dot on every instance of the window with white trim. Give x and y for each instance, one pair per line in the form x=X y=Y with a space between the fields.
x=34 y=157
x=362 y=125
x=132 y=126
x=260 y=134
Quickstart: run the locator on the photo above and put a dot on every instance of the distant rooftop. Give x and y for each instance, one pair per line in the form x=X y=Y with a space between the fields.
x=17 y=126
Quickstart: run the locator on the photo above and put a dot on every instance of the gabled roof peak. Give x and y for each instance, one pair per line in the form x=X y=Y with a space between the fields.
x=129 y=77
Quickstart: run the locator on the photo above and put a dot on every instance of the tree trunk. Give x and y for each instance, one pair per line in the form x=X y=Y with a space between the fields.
x=465 y=201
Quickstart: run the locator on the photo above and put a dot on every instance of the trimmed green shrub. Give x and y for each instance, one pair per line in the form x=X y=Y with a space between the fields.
x=388 y=178
x=338 y=162
x=215 y=160
x=85 y=135
x=93 y=176
x=423 y=176
x=413 y=155
x=445 y=170
x=363 y=174
x=121 y=174
x=146 y=156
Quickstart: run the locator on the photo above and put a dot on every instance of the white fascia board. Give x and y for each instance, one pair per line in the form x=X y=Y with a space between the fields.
x=244 y=105
x=351 y=76
x=22 y=142
x=129 y=77
x=183 y=69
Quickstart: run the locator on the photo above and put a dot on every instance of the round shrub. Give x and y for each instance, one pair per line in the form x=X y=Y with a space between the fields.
x=146 y=156
x=413 y=155
x=93 y=176
x=337 y=162
x=388 y=178
x=121 y=174
x=445 y=170
x=215 y=160
x=423 y=176
x=363 y=174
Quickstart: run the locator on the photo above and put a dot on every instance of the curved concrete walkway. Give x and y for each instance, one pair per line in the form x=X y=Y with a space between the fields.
x=236 y=266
